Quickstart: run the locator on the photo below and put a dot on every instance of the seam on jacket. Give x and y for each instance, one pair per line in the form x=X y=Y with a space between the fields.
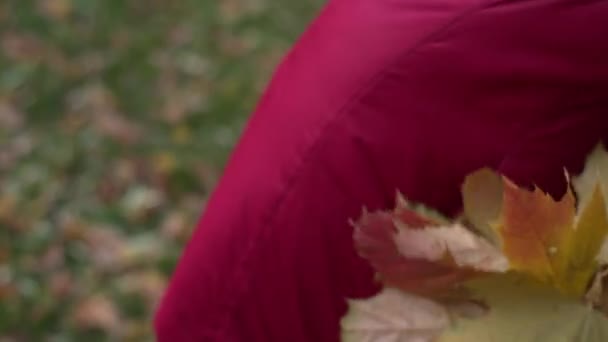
x=240 y=275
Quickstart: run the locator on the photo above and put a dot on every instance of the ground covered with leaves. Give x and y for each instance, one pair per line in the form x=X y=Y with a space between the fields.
x=116 y=118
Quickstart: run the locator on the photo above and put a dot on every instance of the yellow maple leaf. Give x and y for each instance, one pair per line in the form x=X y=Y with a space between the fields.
x=546 y=238
x=519 y=309
x=482 y=200
x=525 y=310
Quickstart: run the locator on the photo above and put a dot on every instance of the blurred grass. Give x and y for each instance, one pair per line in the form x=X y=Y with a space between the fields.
x=115 y=120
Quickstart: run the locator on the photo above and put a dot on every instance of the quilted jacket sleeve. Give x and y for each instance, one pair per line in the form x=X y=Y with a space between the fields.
x=379 y=96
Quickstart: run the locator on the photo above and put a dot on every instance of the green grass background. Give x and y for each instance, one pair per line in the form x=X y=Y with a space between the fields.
x=116 y=118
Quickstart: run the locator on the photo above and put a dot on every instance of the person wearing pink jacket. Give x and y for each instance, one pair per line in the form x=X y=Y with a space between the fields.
x=379 y=96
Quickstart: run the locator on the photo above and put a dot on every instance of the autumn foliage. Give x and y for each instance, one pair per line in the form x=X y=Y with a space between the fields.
x=518 y=265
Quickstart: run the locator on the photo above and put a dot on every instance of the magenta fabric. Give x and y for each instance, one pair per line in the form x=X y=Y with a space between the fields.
x=379 y=96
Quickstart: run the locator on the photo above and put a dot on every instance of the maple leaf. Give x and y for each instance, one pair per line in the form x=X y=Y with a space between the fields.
x=395 y=316
x=538 y=264
x=482 y=200
x=460 y=245
x=588 y=187
x=378 y=239
x=546 y=238
x=417 y=249
x=525 y=310
x=520 y=309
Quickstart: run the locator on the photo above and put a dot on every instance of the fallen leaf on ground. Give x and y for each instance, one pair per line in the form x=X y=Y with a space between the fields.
x=97 y=312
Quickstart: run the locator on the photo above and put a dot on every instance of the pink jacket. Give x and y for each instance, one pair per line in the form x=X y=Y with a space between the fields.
x=379 y=96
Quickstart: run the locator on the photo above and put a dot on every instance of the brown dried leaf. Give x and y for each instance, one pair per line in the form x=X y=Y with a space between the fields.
x=97 y=312
x=100 y=103
x=22 y=47
x=139 y=201
x=55 y=9
x=7 y=288
x=150 y=284
x=61 y=284
x=142 y=249
x=10 y=117
x=71 y=227
x=175 y=226
x=107 y=248
x=52 y=259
